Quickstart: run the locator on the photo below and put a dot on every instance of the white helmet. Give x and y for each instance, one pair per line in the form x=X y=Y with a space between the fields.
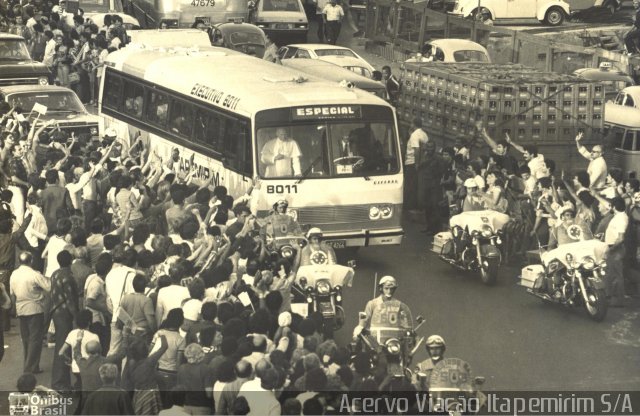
x=388 y=279
x=314 y=232
x=435 y=341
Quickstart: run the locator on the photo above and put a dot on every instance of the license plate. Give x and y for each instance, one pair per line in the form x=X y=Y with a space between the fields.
x=326 y=309
x=337 y=243
x=205 y=20
x=283 y=26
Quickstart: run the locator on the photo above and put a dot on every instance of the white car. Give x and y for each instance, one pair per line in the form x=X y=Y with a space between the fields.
x=280 y=19
x=551 y=12
x=337 y=55
x=452 y=50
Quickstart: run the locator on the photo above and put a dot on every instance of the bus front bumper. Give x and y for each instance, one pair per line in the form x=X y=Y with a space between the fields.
x=364 y=238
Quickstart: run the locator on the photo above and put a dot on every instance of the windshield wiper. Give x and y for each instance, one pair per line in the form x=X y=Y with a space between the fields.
x=306 y=173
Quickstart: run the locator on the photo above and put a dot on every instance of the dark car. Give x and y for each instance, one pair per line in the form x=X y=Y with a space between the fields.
x=63 y=105
x=241 y=37
x=16 y=65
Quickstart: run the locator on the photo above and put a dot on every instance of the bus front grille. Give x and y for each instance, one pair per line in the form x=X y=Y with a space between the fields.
x=333 y=214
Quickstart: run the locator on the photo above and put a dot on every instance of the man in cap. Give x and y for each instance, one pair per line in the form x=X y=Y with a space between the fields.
x=568 y=230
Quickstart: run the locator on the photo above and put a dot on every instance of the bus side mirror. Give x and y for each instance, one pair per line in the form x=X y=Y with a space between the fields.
x=352 y=264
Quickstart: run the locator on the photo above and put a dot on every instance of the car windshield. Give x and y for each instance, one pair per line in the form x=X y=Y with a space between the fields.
x=359 y=70
x=335 y=52
x=58 y=102
x=14 y=50
x=470 y=56
x=242 y=38
x=280 y=6
x=327 y=149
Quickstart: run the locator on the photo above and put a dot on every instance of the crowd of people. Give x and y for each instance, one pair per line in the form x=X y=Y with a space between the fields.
x=542 y=203
x=72 y=47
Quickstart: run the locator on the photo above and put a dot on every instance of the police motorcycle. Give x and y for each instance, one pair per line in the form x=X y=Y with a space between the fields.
x=282 y=233
x=453 y=389
x=319 y=283
x=571 y=275
x=390 y=337
x=473 y=243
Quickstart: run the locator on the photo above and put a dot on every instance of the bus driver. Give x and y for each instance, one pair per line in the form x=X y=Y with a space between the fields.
x=281 y=155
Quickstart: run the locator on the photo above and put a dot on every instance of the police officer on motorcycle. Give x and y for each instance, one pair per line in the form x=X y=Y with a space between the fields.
x=435 y=347
x=384 y=309
x=279 y=223
x=317 y=252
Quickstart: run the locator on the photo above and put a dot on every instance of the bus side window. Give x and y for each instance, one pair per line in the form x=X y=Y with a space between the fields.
x=629 y=137
x=181 y=120
x=133 y=100
x=629 y=101
x=207 y=129
x=236 y=141
x=112 y=91
x=158 y=108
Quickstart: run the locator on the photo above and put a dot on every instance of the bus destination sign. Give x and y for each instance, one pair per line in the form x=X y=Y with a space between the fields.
x=326 y=112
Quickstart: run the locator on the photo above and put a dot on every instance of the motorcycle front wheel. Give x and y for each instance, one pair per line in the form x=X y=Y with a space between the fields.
x=489 y=270
x=596 y=306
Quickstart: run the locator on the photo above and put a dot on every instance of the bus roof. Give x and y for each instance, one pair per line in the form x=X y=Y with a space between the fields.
x=332 y=72
x=217 y=75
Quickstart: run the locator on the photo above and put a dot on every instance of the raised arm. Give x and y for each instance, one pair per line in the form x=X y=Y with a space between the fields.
x=485 y=136
x=514 y=144
x=581 y=149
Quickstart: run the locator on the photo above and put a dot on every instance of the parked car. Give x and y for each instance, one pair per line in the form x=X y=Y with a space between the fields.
x=241 y=37
x=16 y=65
x=337 y=55
x=614 y=80
x=280 y=19
x=551 y=12
x=452 y=50
x=333 y=72
x=63 y=105
x=611 y=6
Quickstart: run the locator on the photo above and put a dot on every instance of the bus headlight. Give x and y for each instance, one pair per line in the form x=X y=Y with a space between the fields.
x=374 y=213
x=386 y=211
x=43 y=80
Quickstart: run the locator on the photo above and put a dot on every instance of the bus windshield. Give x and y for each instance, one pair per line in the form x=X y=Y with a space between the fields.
x=327 y=149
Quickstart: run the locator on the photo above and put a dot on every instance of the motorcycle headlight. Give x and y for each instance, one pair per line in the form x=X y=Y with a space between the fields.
x=323 y=287
x=93 y=131
x=374 y=213
x=286 y=252
x=553 y=266
x=309 y=299
x=338 y=298
x=589 y=263
x=43 y=80
x=498 y=240
x=393 y=346
x=487 y=231
x=602 y=265
x=293 y=213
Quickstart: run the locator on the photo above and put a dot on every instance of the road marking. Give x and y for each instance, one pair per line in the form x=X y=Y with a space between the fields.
x=623 y=333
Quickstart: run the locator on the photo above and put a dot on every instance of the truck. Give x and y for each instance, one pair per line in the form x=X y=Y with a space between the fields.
x=532 y=106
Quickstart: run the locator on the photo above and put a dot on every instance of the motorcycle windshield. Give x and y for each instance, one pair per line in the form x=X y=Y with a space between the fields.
x=336 y=274
x=578 y=250
x=475 y=220
x=451 y=375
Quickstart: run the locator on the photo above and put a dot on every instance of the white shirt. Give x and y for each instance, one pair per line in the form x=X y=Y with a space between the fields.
x=333 y=13
x=170 y=297
x=417 y=138
x=597 y=171
x=49 y=53
x=287 y=166
x=118 y=282
x=54 y=247
x=72 y=338
x=616 y=228
x=28 y=286
x=191 y=309
x=37 y=228
x=94 y=289
x=537 y=167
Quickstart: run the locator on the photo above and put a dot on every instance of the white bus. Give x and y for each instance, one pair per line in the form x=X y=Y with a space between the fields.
x=183 y=13
x=226 y=108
